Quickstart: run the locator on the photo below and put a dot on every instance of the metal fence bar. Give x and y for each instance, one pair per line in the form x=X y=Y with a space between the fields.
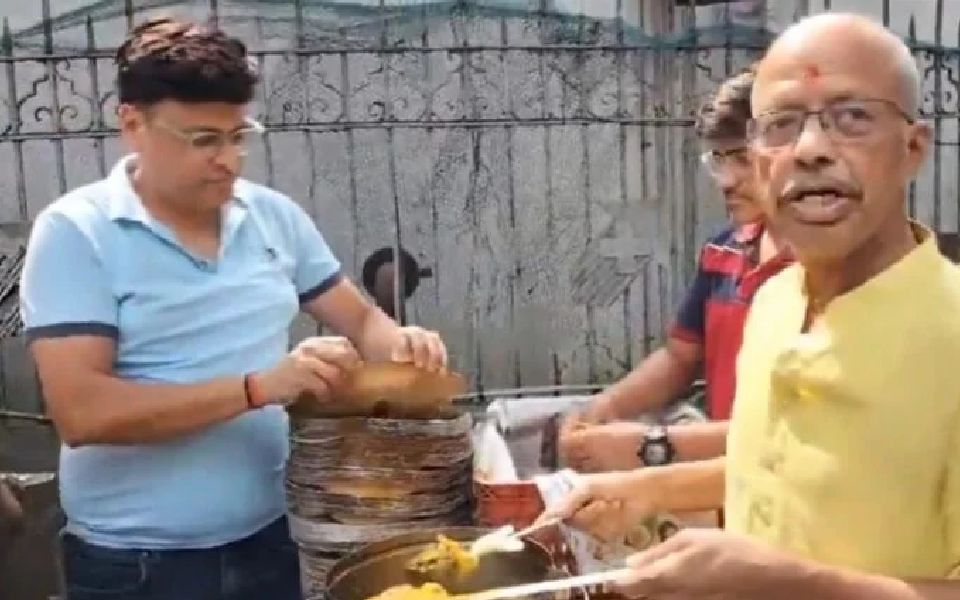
x=303 y=59
x=13 y=104
x=937 y=108
x=688 y=91
x=214 y=11
x=398 y=273
x=640 y=60
x=628 y=332
x=548 y=190
x=431 y=197
x=388 y=115
x=912 y=193
x=956 y=91
x=56 y=113
x=96 y=105
x=311 y=145
x=267 y=144
x=346 y=82
x=129 y=11
x=728 y=35
x=468 y=95
x=587 y=198
x=662 y=23
x=335 y=126
x=664 y=46
x=515 y=234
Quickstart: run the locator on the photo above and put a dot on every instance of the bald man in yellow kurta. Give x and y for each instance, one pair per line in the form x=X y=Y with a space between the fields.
x=843 y=466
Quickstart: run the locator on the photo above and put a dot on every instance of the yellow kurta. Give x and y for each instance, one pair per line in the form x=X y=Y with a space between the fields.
x=845 y=441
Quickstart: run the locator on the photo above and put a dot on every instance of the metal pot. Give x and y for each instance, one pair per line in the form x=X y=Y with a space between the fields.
x=381 y=565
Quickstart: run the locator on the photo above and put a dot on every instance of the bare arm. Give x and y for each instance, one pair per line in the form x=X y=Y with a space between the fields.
x=352 y=315
x=683 y=487
x=615 y=446
x=851 y=586
x=804 y=580
x=700 y=563
x=90 y=405
x=699 y=441
x=376 y=336
x=661 y=378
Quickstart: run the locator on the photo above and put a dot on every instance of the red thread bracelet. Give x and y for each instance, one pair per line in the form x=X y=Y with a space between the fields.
x=251 y=391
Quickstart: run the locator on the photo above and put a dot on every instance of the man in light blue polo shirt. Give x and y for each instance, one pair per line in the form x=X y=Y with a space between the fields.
x=157 y=304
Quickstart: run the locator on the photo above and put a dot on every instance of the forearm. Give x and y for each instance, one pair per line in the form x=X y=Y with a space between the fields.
x=109 y=410
x=378 y=335
x=807 y=580
x=653 y=384
x=687 y=487
x=699 y=441
x=691 y=441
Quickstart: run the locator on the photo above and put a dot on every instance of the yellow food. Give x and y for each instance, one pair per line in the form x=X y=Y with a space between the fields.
x=446 y=555
x=427 y=591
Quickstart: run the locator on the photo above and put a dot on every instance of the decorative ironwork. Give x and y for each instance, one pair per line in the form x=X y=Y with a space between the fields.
x=435 y=85
x=502 y=107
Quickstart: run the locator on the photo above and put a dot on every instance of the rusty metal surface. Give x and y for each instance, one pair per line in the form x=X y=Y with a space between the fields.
x=28 y=568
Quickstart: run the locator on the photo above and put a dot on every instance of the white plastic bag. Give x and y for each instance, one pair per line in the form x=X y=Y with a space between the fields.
x=492 y=461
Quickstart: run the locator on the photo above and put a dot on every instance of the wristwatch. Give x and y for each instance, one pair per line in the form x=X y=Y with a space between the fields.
x=656 y=449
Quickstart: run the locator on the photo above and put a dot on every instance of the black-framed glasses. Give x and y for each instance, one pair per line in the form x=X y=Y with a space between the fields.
x=212 y=142
x=723 y=162
x=847 y=119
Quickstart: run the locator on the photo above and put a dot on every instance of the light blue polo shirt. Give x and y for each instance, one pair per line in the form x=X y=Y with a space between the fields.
x=98 y=263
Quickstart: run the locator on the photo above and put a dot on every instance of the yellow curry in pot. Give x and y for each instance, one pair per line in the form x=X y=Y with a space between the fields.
x=427 y=591
x=441 y=559
x=444 y=557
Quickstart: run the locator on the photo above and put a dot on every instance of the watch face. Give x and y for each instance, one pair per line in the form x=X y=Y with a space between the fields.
x=656 y=454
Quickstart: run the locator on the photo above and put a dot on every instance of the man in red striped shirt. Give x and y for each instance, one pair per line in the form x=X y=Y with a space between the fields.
x=706 y=335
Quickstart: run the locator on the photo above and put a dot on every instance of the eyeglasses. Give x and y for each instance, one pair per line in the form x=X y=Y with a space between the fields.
x=841 y=119
x=720 y=163
x=212 y=142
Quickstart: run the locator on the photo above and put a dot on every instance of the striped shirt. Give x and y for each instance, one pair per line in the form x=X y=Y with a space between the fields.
x=715 y=308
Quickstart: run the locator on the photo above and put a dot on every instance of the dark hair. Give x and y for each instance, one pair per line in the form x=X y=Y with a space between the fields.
x=725 y=114
x=165 y=59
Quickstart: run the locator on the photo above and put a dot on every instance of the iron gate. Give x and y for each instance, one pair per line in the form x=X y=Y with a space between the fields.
x=533 y=157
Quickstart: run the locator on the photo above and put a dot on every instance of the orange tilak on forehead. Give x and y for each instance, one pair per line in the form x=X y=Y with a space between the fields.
x=811 y=74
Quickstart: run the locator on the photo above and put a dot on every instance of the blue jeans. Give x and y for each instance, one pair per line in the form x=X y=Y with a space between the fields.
x=263 y=566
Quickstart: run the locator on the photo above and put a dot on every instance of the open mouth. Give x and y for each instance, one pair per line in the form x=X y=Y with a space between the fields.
x=819 y=206
x=734 y=201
